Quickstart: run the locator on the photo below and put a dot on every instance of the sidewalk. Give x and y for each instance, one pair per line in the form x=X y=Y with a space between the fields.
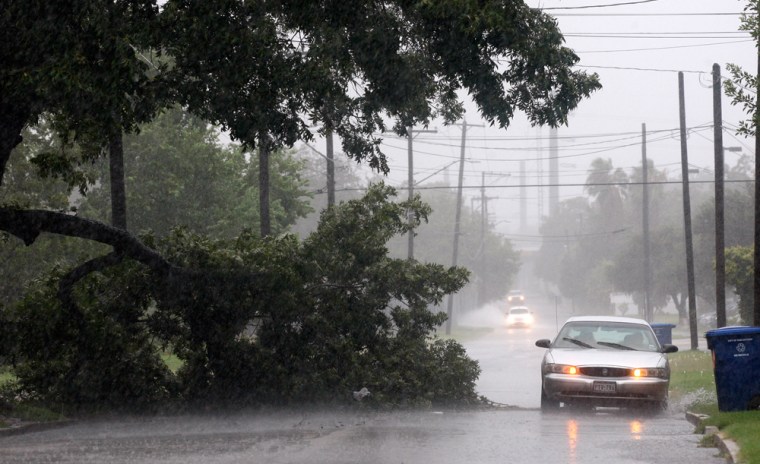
x=728 y=447
x=684 y=343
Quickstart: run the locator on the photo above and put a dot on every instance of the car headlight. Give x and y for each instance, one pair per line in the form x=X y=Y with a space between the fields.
x=561 y=369
x=650 y=372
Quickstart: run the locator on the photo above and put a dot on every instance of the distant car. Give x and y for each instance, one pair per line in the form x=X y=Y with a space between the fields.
x=708 y=321
x=605 y=361
x=519 y=316
x=515 y=297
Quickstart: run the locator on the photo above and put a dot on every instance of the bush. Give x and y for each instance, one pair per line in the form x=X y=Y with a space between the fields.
x=254 y=321
x=101 y=356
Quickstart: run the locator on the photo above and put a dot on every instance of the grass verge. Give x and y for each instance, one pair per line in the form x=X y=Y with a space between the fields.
x=693 y=384
x=22 y=411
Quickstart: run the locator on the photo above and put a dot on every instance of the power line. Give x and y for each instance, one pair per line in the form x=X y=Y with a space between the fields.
x=582 y=7
x=590 y=234
x=650 y=14
x=559 y=137
x=648 y=33
x=577 y=155
x=665 y=48
x=596 y=184
x=641 y=69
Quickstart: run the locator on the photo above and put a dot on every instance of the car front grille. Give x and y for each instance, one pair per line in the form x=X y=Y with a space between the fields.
x=598 y=371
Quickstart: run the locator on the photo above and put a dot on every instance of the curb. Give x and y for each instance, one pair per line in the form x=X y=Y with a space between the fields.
x=728 y=447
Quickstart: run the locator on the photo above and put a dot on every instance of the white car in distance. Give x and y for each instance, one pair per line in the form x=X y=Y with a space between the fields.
x=519 y=316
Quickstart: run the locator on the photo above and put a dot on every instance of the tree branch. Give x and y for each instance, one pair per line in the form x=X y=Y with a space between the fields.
x=66 y=284
x=29 y=224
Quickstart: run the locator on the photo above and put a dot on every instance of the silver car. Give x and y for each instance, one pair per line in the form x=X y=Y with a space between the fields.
x=605 y=361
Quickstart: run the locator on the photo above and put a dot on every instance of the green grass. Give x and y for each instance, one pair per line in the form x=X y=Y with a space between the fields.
x=744 y=428
x=692 y=381
x=37 y=413
x=6 y=376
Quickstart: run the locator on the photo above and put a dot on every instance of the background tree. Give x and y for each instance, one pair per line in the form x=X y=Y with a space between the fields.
x=250 y=76
x=582 y=237
x=490 y=258
x=738 y=89
x=264 y=72
x=594 y=248
x=24 y=187
x=179 y=174
x=557 y=241
x=350 y=184
x=605 y=184
x=740 y=274
x=668 y=270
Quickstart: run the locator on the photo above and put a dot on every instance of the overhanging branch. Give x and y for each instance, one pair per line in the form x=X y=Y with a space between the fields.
x=28 y=224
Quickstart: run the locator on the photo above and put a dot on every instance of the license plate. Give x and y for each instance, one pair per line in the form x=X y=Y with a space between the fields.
x=604 y=387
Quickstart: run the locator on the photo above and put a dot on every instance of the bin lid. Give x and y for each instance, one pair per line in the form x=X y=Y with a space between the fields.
x=732 y=330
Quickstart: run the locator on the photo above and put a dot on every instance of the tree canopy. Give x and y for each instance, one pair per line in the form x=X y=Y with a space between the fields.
x=270 y=73
x=275 y=68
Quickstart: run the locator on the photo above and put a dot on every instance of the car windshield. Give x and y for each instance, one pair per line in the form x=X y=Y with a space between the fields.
x=518 y=311
x=606 y=336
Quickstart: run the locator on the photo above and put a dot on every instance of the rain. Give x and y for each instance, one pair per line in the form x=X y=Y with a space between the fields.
x=253 y=232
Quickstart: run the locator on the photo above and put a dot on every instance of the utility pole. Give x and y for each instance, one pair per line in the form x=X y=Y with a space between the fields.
x=264 y=151
x=483 y=218
x=553 y=173
x=645 y=223
x=687 y=216
x=118 y=188
x=523 y=199
x=330 y=170
x=720 y=241
x=756 y=256
x=540 y=175
x=410 y=153
x=482 y=255
x=455 y=252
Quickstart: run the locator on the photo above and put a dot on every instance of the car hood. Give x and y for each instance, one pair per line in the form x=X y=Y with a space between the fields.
x=615 y=358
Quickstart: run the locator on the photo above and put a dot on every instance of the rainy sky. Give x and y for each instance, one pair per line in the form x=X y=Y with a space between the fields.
x=637 y=47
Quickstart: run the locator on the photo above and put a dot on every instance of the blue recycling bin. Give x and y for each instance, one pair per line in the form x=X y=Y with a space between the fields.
x=736 y=363
x=664 y=333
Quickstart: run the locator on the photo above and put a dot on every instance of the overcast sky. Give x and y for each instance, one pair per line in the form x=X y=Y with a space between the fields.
x=637 y=48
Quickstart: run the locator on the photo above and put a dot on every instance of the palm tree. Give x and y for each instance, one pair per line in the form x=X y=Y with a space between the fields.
x=607 y=186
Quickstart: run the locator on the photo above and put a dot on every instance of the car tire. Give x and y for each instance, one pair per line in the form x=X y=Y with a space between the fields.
x=662 y=405
x=548 y=404
x=656 y=407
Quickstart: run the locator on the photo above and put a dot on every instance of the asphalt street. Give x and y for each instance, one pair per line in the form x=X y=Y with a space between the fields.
x=520 y=434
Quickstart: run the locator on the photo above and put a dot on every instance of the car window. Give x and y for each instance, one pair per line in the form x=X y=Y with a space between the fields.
x=607 y=336
x=518 y=311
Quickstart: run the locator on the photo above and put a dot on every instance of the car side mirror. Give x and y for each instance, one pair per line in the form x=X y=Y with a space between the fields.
x=666 y=348
x=544 y=343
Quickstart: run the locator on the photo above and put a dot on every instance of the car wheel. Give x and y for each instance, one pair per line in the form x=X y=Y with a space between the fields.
x=662 y=405
x=548 y=404
x=656 y=407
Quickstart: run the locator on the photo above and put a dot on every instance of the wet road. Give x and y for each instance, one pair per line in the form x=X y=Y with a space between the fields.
x=495 y=436
x=509 y=361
